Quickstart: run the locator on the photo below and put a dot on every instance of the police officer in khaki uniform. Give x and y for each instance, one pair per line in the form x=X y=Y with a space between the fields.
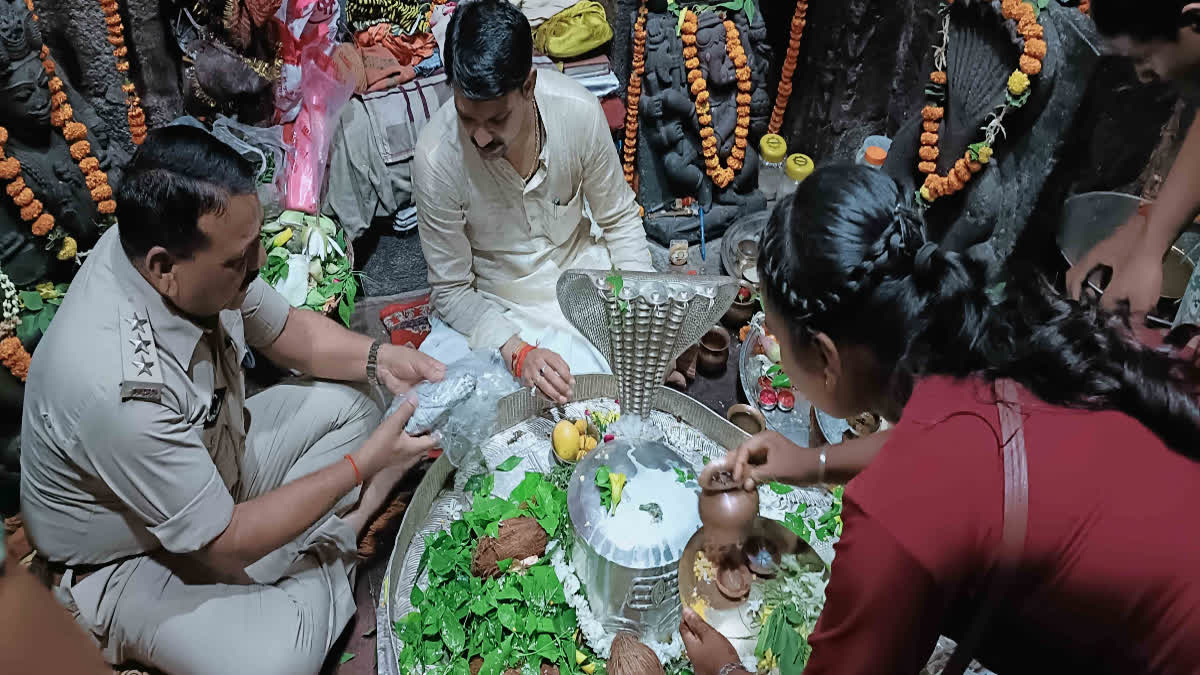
x=185 y=527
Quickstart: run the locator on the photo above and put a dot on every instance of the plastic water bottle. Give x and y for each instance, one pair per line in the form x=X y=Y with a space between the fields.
x=773 y=150
x=874 y=151
x=797 y=168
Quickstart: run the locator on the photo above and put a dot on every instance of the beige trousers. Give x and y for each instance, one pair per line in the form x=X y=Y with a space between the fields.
x=141 y=611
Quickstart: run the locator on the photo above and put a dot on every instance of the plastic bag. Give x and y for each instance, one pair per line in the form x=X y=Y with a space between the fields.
x=324 y=96
x=463 y=406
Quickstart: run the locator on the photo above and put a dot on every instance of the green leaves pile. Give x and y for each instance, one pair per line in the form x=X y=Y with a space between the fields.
x=792 y=602
x=515 y=621
x=37 y=309
x=825 y=527
x=330 y=280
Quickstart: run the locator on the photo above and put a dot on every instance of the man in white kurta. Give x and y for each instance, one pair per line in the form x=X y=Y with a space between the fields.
x=517 y=180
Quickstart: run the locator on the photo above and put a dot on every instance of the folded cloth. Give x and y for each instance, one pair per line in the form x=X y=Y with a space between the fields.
x=574 y=31
x=430 y=65
x=600 y=85
x=538 y=11
x=389 y=56
x=399 y=113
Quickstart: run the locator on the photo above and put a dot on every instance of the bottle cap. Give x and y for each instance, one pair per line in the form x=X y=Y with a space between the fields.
x=799 y=167
x=875 y=155
x=773 y=148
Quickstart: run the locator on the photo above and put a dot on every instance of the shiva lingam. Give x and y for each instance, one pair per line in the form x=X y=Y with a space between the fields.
x=727 y=511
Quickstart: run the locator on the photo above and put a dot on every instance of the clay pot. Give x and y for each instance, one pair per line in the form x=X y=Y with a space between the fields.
x=746 y=418
x=714 y=351
x=740 y=311
x=726 y=512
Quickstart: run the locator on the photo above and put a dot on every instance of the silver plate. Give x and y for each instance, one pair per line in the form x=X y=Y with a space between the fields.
x=794 y=425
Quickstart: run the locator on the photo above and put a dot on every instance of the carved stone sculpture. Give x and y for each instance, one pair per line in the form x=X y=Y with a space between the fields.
x=47 y=169
x=986 y=218
x=75 y=31
x=670 y=163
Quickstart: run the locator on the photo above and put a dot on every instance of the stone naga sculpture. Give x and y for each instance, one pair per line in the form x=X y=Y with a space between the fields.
x=48 y=170
x=671 y=165
x=987 y=217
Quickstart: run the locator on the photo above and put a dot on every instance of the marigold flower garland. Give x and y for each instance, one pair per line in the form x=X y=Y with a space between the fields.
x=784 y=92
x=62 y=116
x=116 y=38
x=632 y=95
x=721 y=176
x=1025 y=16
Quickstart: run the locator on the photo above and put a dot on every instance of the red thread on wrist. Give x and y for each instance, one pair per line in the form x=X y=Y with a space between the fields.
x=519 y=361
x=357 y=476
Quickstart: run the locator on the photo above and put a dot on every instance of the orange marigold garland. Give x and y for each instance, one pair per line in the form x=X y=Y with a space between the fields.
x=1025 y=16
x=116 y=37
x=14 y=357
x=784 y=92
x=62 y=116
x=721 y=176
x=633 y=94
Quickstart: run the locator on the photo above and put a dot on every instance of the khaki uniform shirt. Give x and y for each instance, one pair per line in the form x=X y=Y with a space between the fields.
x=134 y=417
x=496 y=245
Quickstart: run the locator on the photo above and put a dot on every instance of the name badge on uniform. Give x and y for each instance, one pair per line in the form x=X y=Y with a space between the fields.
x=214 y=408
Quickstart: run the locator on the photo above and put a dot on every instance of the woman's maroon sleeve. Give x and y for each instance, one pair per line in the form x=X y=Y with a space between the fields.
x=882 y=610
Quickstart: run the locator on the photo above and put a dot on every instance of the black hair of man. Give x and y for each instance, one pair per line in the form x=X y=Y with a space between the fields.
x=1141 y=20
x=489 y=49
x=177 y=175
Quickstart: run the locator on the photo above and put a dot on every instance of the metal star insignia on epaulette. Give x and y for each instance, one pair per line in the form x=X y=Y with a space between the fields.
x=141 y=372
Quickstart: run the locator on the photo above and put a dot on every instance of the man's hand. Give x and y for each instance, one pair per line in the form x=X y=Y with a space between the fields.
x=402 y=368
x=389 y=445
x=542 y=368
x=549 y=373
x=1136 y=264
x=708 y=650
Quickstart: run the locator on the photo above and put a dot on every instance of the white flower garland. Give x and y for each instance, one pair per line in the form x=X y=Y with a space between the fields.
x=10 y=317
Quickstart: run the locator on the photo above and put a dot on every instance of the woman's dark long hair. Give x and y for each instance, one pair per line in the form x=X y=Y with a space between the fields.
x=845 y=257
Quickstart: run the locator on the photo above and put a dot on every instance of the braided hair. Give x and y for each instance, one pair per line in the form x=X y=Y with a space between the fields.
x=844 y=256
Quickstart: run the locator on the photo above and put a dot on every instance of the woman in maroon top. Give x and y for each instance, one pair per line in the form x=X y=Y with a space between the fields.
x=871 y=317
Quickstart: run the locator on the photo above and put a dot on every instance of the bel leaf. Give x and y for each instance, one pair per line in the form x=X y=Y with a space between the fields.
x=346 y=656
x=780 y=488
x=509 y=464
x=504 y=565
x=44 y=317
x=344 y=311
x=28 y=329
x=32 y=300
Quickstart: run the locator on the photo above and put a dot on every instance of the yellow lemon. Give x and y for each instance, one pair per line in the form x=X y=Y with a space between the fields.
x=589 y=443
x=566 y=440
x=581 y=426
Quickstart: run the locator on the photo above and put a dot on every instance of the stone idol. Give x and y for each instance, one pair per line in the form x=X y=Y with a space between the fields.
x=693 y=65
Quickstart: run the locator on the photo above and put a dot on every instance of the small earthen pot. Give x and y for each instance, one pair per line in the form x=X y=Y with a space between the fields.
x=747 y=418
x=714 y=351
x=741 y=310
x=727 y=511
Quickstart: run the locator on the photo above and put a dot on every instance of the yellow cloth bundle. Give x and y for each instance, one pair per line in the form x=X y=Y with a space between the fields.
x=576 y=30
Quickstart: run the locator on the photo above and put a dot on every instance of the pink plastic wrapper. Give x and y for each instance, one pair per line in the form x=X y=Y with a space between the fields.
x=323 y=97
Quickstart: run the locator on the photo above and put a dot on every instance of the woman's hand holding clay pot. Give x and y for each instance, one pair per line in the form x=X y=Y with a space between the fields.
x=762 y=458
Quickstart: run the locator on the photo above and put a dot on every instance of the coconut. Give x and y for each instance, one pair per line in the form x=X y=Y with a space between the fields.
x=630 y=657
x=519 y=539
